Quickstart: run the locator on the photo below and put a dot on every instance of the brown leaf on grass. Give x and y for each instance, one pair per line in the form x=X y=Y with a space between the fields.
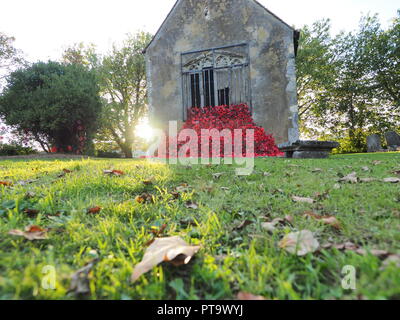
x=187 y=222
x=350 y=246
x=376 y=162
x=271 y=226
x=114 y=172
x=391 y=180
x=80 y=284
x=248 y=296
x=322 y=196
x=304 y=200
x=144 y=198
x=171 y=249
x=31 y=212
x=375 y=252
x=31 y=233
x=330 y=220
x=299 y=243
x=94 y=210
x=67 y=171
x=191 y=205
x=175 y=195
x=157 y=232
x=351 y=178
x=149 y=181
x=289 y=219
x=243 y=225
x=184 y=187
x=6 y=183
x=396 y=172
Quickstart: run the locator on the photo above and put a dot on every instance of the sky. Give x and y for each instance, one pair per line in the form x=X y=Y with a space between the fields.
x=43 y=28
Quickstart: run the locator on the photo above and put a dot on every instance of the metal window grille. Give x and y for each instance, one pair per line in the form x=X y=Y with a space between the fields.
x=217 y=76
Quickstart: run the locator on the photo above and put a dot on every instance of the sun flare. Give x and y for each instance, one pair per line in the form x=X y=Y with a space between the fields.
x=144 y=131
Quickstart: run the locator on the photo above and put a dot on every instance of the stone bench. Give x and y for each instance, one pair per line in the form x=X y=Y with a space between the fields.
x=308 y=149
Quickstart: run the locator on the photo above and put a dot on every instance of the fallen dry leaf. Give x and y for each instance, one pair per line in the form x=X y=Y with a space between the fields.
x=67 y=171
x=375 y=252
x=31 y=212
x=184 y=187
x=330 y=220
x=376 y=162
x=352 y=178
x=300 y=243
x=301 y=199
x=31 y=233
x=171 y=249
x=391 y=180
x=80 y=279
x=6 y=183
x=157 y=232
x=114 y=172
x=289 y=219
x=94 y=210
x=144 y=198
x=175 y=195
x=191 y=205
x=248 y=296
x=243 y=225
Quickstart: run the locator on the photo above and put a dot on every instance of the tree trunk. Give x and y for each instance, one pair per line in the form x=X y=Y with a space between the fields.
x=127 y=150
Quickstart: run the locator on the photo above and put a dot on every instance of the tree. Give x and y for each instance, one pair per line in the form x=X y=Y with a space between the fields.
x=122 y=76
x=316 y=69
x=382 y=56
x=56 y=105
x=81 y=54
x=9 y=55
x=346 y=83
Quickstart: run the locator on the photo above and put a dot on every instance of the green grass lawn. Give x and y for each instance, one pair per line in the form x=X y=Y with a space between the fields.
x=231 y=259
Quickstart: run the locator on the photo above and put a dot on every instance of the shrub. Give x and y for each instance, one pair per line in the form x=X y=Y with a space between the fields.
x=228 y=117
x=15 y=150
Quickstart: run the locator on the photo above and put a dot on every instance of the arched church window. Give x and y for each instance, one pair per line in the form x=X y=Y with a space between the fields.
x=218 y=76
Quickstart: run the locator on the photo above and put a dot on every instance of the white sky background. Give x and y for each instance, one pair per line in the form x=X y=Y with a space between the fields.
x=43 y=28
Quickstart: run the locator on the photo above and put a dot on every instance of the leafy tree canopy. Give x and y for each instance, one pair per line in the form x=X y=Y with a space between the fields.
x=56 y=105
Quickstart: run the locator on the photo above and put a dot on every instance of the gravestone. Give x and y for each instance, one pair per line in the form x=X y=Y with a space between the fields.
x=374 y=143
x=393 y=140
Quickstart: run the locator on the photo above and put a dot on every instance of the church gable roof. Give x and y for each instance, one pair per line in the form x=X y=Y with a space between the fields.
x=179 y=1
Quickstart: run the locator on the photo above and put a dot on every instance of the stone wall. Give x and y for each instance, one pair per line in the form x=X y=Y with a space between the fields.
x=203 y=24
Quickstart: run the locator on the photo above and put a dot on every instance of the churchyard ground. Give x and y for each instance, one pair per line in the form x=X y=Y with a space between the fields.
x=232 y=218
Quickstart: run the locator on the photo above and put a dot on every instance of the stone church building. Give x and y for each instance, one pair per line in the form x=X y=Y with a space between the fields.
x=216 y=52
